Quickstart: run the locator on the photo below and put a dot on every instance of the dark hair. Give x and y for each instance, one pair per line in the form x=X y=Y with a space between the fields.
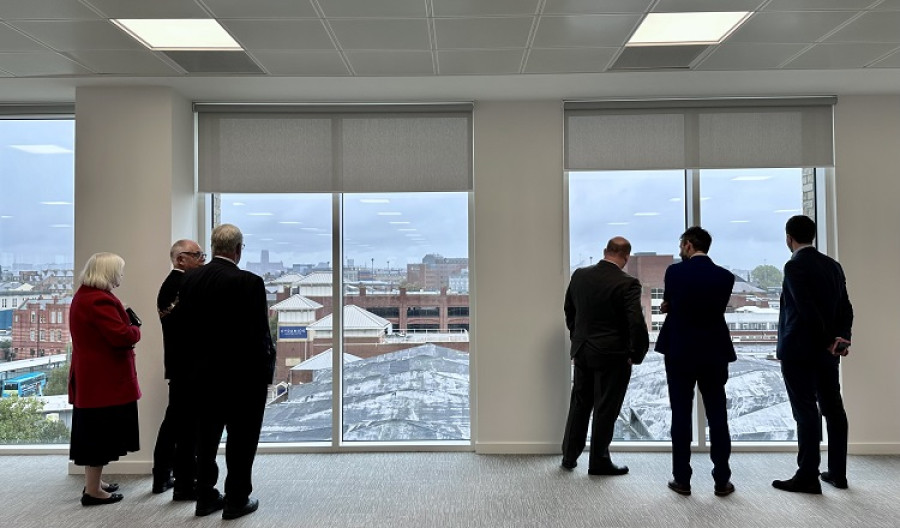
x=698 y=237
x=801 y=228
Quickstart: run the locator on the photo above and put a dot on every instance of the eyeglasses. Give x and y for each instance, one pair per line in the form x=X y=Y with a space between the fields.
x=199 y=255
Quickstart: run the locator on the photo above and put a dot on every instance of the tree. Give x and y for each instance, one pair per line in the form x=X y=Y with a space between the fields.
x=57 y=381
x=766 y=276
x=22 y=422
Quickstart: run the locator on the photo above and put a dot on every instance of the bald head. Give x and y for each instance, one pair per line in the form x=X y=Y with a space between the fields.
x=618 y=249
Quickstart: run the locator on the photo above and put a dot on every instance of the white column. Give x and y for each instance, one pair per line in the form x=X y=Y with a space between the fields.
x=134 y=195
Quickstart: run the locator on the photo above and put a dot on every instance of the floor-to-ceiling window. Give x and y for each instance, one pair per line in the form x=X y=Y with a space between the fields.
x=36 y=276
x=358 y=219
x=628 y=174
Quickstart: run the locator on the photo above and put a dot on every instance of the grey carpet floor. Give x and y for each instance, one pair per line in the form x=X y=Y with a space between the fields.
x=465 y=490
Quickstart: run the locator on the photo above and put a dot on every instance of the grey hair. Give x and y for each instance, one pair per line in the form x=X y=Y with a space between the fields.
x=103 y=271
x=226 y=239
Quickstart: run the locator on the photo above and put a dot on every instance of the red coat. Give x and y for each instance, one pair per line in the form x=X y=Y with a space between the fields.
x=102 y=372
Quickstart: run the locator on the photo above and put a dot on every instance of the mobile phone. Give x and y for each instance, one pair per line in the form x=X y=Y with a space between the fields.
x=842 y=346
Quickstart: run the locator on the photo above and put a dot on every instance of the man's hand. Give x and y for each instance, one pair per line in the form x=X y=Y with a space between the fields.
x=840 y=347
x=664 y=307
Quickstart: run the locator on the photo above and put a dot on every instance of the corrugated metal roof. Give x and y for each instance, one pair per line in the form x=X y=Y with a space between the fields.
x=323 y=361
x=355 y=318
x=318 y=277
x=296 y=302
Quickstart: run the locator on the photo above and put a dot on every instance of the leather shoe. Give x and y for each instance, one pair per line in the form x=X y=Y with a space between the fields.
x=89 y=500
x=608 y=469
x=569 y=464
x=796 y=485
x=209 y=505
x=839 y=483
x=163 y=484
x=679 y=488
x=109 y=488
x=723 y=489
x=248 y=507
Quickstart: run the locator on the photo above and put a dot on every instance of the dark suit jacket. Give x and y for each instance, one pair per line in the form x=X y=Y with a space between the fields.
x=227 y=310
x=815 y=307
x=603 y=313
x=177 y=341
x=697 y=293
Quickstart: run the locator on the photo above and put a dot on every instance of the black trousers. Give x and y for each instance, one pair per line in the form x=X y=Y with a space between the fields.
x=814 y=390
x=710 y=379
x=598 y=387
x=176 y=442
x=240 y=413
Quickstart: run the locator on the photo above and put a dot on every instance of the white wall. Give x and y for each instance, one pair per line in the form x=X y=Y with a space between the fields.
x=867 y=181
x=133 y=197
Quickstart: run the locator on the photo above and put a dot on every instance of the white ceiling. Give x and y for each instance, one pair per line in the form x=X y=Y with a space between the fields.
x=461 y=49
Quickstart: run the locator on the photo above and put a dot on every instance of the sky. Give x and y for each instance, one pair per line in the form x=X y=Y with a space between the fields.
x=745 y=210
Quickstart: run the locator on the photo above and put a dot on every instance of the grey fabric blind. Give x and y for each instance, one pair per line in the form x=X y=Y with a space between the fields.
x=704 y=134
x=281 y=149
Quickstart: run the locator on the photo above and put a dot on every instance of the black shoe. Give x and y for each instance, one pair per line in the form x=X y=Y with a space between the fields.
x=679 y=488
x=569 y=464
x=184 y=495
x=161 y=485
x=608 y=469
x=796 y=485
x=249 y=507
x=109 y=488
x=89 y=500
x=210 y=505
x=839 y=483
x=724 y=489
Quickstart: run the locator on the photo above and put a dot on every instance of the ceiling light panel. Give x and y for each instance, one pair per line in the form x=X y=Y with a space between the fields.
x=179 y=34
x=673 y=29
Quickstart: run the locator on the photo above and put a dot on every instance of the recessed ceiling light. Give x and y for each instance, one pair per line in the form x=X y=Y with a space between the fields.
x=259 y=214
x=751 y=178
x=42 y=149
x=788 y=210
x=617 y=223
x=289 y=222
x=374 y=200
x=56 y=203
x=389 y=213
x=684 y=29
x=178 y=33
x=648 y=213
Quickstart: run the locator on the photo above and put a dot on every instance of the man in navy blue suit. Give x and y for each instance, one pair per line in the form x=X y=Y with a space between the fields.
x=813 y=334
x=697 y=345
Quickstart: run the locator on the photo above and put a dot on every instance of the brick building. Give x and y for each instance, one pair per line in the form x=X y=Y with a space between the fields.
x=41 y=327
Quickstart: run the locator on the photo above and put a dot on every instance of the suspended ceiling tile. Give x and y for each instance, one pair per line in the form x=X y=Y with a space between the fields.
x=883 y=26
x=279 y=34
x=233 y=62
x=817 y=5
x=313 y=63
x=583 y=7
x=388 y=63
x=749 y=56
x=370 y=8
x=480 y=62
x=148 y=8
x=789 y=27
x=891 y=61
x=45 y=10
x=475 y=8
x=499 y=32
x=839 y=56
x=691 y=6
x=39 y=64
x=888 y=5
x=11 y=40
x=261 y=9
x=569 y=60
x=382 y=34
x=69 y=35
x=124 y=62
x=585 y=31
x=657 y=57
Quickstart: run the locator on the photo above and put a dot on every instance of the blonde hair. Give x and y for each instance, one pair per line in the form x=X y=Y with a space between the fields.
x=103 y=270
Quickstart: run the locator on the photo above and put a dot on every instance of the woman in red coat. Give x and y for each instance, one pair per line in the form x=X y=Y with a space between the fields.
x=103 y=385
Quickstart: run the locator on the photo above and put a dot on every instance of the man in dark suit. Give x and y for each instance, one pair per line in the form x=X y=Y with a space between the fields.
x=175 y=443
x=609 y=335
x=697 y=345
x=234 y=363
x=813 y=334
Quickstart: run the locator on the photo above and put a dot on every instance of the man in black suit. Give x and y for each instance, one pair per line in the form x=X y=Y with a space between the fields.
x=175 y=443
x=609 y=335
x=235 y=362
x=813 y=334
x=697 y=345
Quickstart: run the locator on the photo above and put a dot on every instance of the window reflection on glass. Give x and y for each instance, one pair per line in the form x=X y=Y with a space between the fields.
x=745 y=211
x=36 y=277
x=647 y=208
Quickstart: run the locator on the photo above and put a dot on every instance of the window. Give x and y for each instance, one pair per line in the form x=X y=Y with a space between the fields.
x=385 y=311
x=458 y=311
x=656 y=293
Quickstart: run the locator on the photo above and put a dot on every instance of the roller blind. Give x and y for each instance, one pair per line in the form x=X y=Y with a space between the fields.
x=702 y=134
x=302 y=149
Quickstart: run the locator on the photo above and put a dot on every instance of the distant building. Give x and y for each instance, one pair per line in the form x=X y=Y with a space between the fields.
x=41 y=327
x=434 y=272
x=264 y=267
x=12 y=295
